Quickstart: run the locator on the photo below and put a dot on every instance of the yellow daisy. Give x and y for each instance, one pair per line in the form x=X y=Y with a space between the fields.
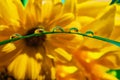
x=32 y=58
x=94 y=57
x=98 y=57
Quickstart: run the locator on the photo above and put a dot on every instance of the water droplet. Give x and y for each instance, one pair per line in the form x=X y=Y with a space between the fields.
x=58 y=29
x=89 y=33
x=74 y=30
x=38 y=31
x=16 y=35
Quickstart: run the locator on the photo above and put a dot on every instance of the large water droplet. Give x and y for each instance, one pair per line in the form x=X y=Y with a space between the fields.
x=58 y=29
x=89 y=33
x=16 y=35
x=74 y=29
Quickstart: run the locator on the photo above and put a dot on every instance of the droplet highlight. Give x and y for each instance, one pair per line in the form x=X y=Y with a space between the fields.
x=38 y=31
x=58 y=29
x=16 y=35
x=89 y=33
x=74 y=29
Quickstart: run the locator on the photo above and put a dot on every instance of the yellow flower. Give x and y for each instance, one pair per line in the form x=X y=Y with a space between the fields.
x=37 y=57
x=98 y=57
x=32 y=58
x=94 y=57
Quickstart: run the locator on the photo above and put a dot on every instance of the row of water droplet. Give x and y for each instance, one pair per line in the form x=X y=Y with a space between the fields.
x=56 y=29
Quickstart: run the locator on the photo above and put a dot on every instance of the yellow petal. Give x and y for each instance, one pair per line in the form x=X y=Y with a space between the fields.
x=73 y=24
x=102 y=26
x=84 y=20
x=53 y=71
x=18 y=66
x=46 y=9
x=97 y=54
x=56 y=1
x=6 y=31
x=103 y=21
x=38 y=56
x=100 y=72
x=39 y=10
x=72 y=42
x=8 y=52
x=91 y=8
x=65 y=70
x=111 y=59
x=64 y=54
x=111 y=48
x=3 y=27
x=65 y=19
x=8 y=48
x=116 y=33
x=70 y=69
x=32 y=9
x=8 y=11
x=56 y=12
x=117 y=20
x=118 y=8
x=70 y=6
x=20 y=9
x=80 y=1
x=33 y=68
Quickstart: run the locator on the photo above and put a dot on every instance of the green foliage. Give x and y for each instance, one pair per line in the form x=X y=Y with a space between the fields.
x=115 y=73
x=24 y=2
x=118 y=74
x=115 y=1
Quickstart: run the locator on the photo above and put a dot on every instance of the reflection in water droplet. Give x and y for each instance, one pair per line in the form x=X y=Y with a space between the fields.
x=16 y=35
x=89 y=33
x=58 y=29
x=38 y=31
x=73 y=29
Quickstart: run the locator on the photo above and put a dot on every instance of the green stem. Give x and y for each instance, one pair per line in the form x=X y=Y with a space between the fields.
x=78 y=33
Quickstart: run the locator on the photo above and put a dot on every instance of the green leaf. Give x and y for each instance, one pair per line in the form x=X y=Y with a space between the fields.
x=112 y=72
x=115 y=1
x=115 y=73
x=24 y=2
x=112 y=2
x=118 y=1
x=118 y=74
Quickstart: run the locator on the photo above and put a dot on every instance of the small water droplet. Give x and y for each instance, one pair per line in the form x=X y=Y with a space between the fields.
x=38 y=31
x=16 y=35
x=89 y=33
x=58 y=29
x=74 y=30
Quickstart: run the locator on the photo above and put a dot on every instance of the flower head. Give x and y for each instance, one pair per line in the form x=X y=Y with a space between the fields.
x=95 y=58
x=32 y=58
x=98 y=57
x=36 y=54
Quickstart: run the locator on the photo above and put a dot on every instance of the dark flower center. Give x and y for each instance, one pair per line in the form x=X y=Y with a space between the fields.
x=35 y=41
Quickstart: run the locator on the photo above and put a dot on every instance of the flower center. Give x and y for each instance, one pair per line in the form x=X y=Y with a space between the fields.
x=35 y=41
